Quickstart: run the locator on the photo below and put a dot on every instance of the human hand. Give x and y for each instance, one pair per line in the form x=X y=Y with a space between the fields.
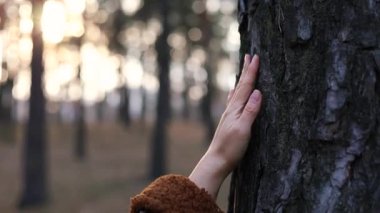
x=234 y=130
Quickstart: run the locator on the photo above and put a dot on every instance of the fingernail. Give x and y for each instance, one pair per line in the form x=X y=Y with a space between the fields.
x=256 y=96
x=247 y=58
x=255 y=57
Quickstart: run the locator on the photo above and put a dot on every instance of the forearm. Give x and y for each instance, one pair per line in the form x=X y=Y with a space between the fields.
x=210 y=173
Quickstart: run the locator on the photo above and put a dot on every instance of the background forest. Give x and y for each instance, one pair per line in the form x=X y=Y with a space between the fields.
x=130 y=90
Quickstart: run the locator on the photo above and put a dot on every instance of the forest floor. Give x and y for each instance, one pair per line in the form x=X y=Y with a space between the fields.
x=116 y=167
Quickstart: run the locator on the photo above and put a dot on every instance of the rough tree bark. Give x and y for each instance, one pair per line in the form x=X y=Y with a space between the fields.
x=35 y=174
x=316 y=144
x=158 y=147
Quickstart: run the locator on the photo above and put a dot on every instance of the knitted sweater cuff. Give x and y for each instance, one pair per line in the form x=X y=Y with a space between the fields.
x=173 y=193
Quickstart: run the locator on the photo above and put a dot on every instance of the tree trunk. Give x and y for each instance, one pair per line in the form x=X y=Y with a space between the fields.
x=158 y=167
x=6 y=87
x=6 y=102
x=80 y=132
x=206 y=103
x=316 y=144
x=35 y=175
x=124 y=115
x=7 y=127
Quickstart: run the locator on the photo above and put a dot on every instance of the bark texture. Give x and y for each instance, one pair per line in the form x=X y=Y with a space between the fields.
x=316 y=144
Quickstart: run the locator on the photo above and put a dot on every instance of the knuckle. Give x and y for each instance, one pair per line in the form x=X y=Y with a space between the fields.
x=245 y=84
x=238 y=131
x=251 y=108
x=235 y=130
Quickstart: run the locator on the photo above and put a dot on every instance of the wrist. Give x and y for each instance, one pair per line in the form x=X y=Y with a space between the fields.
x=219 y=166
x=210 y=173
x=224 y=156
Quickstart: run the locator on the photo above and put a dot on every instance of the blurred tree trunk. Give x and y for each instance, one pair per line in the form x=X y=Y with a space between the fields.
x=99 y=107
x=186 y=101
x=3 y=15
x=206 y=107
x=35 y=190
x=5 y=88
x=144 y=101
x=80 y=132
x=118 y=22
x=7 y=128
x=80 y=139
x=124 y=106
x=158 y=162
x=316 y=145
x=6 y=101
x=206 y=102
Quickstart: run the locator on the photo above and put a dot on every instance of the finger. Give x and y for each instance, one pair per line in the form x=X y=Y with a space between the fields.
x=247 y=61
x=251 y=109
x=230 y=95
x=246 y=84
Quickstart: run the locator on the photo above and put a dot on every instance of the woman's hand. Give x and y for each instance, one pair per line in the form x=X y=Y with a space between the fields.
x=234 y=130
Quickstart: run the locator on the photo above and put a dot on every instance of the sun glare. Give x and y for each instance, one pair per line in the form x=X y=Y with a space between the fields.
x=21 y=89
x=133 y=72
x=130 y=7
x=76 y=7
x=53 y=21
x=81 y=66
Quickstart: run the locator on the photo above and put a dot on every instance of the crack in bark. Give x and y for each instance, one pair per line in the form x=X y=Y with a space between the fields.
x=331 y=192
x=243 y=16
x=289 y=179
x=280 y=17
x=283 y=50
x=256 y=191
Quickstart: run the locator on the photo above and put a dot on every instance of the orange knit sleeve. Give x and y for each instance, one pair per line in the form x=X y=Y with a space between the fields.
x=173 y=193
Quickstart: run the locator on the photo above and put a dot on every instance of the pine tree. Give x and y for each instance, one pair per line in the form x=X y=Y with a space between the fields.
x=316 y=145
x=35 y=190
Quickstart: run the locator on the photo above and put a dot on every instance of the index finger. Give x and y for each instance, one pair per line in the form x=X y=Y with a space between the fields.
x=246 y=84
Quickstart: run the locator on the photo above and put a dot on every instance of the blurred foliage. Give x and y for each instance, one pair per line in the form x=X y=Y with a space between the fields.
x=95 y=48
